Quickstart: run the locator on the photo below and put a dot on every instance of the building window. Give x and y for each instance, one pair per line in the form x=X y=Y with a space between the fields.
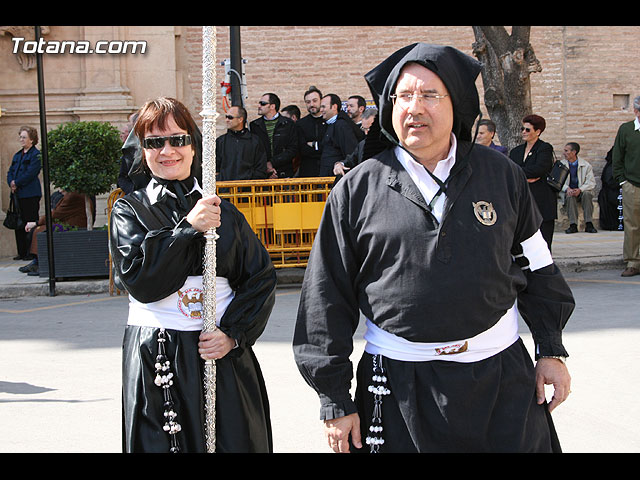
x=621 y=101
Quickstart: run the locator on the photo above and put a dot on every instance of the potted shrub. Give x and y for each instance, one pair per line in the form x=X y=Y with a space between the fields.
x=84 y=157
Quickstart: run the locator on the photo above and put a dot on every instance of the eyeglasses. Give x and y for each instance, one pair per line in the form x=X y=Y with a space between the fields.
x=525 y=129
x=230 y=117
x=403 y=100
x=263 y=103
x=174 y=141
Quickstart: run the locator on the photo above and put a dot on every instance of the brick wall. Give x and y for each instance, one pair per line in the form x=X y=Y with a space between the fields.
x=586 y=70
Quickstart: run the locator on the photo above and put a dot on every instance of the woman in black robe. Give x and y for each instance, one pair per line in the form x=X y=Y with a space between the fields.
x=157 y=245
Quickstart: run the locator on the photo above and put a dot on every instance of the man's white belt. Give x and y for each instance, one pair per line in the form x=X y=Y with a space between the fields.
x=484 y=345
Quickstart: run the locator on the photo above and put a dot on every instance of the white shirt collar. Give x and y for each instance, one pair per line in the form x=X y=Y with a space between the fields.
x=427 y=186
x=332 y=119
x=636 y=122
x=155 y=189
x=272 y=118
x=443 y=167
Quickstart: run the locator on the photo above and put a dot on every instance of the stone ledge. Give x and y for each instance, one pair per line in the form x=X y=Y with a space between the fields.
x=562 y=222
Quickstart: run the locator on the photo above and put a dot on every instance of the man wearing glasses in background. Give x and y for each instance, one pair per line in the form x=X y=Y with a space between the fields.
x=278 y=135
x=239 y=153
x=439 y=254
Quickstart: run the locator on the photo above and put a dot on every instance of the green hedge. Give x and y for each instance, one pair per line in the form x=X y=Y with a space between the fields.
x=84 y=157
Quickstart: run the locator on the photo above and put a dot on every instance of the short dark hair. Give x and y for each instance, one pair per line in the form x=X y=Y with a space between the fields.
x=574 y=146
x=242 y=111
x=312 y=89
x=156 y=113
x=292 y=110
x=335 y=99
x=537 y=121
x=274 y=99
x=491 y=126
x=361 y=101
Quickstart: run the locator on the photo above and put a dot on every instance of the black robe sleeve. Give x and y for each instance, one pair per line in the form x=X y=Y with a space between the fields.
x=323 y=337
x=546 y=303
x=152 y=261
x=545 y=306
x=252 y=276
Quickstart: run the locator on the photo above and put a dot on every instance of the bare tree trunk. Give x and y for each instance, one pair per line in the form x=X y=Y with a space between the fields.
x=508 y=62
x=88 y=210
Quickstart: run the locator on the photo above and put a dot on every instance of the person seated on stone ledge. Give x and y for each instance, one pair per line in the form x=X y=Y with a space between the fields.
x=579 y=187
x=70 y=210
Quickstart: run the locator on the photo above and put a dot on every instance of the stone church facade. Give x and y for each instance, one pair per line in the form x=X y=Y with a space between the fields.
x=585 y=89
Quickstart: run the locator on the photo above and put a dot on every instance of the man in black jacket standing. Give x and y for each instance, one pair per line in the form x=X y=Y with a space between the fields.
x=342 y=135
x=311 y=129
x=278 y=135
x=239 y=153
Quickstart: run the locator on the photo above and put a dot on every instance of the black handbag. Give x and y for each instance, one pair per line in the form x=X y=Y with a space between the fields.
x=557 y=176
x=13 y=220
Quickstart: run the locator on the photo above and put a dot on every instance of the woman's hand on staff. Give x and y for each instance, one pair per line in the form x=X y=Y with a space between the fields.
x=205 y=215
x=215 y=345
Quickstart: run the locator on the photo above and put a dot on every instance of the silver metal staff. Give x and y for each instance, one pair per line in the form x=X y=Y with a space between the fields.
x=209 y=116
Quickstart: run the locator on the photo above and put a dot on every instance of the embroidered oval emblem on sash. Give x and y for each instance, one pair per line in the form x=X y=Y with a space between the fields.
x=484 y=212
x=190 y=302
x=452 y=349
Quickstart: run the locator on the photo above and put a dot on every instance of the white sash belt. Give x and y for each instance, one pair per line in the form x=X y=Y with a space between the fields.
x=181 y=310
x=484 y=345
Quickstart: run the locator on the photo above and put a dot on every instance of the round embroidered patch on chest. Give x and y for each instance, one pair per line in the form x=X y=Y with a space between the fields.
x=484 y=212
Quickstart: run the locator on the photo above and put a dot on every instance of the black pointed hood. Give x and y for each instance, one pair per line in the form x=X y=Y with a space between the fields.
x=457 y=71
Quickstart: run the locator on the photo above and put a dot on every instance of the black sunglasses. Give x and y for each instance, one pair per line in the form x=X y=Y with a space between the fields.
x=174 y=141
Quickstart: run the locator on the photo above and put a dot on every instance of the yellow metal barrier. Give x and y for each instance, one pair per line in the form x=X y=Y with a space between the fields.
x=283 y=213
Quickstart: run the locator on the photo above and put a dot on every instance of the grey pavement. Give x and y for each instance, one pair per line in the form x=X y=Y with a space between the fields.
x=573 y=253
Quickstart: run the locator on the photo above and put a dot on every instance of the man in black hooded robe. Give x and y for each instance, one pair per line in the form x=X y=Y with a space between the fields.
x=436 y=242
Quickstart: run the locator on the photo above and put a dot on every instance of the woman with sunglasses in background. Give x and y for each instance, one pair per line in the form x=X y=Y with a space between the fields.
x=535 y=157
x=157 y=245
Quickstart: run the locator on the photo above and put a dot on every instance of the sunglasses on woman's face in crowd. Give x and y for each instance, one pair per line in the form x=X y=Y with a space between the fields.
x=174 y=141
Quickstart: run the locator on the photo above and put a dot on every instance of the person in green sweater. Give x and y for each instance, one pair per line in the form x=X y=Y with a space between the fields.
x=626 y=171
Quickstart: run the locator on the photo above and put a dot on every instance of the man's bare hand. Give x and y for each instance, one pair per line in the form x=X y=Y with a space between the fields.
x=551 y=371
x=338 y=430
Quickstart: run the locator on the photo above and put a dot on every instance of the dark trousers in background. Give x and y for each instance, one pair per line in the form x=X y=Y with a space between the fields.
x=546 y=229
x=29 y=208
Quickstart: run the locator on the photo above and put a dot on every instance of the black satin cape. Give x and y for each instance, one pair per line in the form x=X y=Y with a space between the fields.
x=154 y=250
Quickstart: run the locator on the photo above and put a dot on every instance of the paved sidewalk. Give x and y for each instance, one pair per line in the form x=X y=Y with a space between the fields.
x=573 y=253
